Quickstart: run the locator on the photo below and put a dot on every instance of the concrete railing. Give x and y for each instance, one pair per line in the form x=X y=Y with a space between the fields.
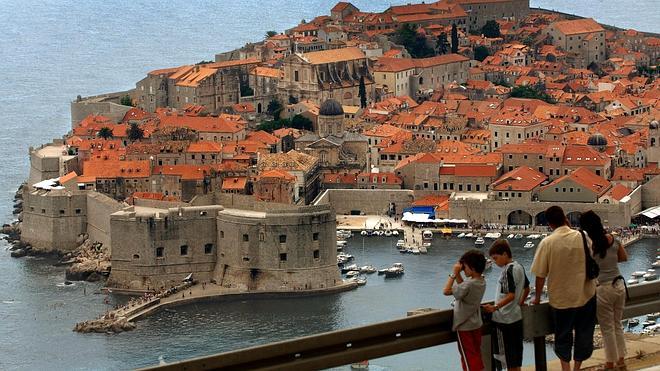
x=337 y=348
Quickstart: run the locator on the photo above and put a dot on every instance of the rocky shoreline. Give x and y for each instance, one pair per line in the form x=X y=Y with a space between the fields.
x=90 y=261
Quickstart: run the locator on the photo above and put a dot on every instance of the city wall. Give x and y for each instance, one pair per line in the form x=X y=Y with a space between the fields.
x=651 y=193
x=366 y=201
x=99 y=209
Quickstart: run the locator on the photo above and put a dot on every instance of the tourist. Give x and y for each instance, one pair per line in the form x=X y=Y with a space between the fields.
x=610 y=291
x=468 y=293
x=560 y=258
x=510 y=293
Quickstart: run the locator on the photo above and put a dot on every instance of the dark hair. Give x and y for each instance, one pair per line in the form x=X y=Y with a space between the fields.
x=590 y=223
x=474 y=259
x=500 y=247
x=555 y=216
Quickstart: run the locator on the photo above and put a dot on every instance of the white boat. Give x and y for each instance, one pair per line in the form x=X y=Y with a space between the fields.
x=469 y=235
x=367 y=269
x=415 y=250
x=364 y=233
x=656 y=264
x=460 y=235
x=633 y=322
x=352 y=267
x=342 y=243
x=650 y=277
x=426 y=244
x=650 y=270
x=493 y=235
x=352 y=273
x=638 y=273
x=632 y=281
x=343 y=255
x=518 y=236
x=388 y=233
x=395 y=233
x=423 y=250
x=361 y=281
x=479 y=241
x=529 y=245
x=648 y=323
x=510 y=237
x=427 y=235
x=400 y=243
x=653 y=316
x=534 y=236
x=395 y=271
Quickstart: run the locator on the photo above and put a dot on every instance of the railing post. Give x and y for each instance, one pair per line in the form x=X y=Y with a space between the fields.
x=540 y=361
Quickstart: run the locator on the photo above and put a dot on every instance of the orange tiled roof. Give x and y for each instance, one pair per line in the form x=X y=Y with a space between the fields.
x=110 y=169
x=204 y=146
x=619 y=191
x=334 y=55
x=522 y=179
x=234 y=183
x=585 y=178
x=578 y=26
x=186 y=172
x=202 y=124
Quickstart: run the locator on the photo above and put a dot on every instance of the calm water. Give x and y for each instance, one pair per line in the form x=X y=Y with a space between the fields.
x=52 y=51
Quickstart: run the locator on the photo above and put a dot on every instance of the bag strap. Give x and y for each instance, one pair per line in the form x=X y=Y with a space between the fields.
x=584 y=245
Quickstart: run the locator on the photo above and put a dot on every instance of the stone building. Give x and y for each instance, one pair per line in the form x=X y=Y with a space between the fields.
x=275 y=186
x=301 y=165
x=262 y=247
x=320 y=75
x=582 y=39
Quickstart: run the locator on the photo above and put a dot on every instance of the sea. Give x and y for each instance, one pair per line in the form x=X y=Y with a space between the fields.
x=51 y=51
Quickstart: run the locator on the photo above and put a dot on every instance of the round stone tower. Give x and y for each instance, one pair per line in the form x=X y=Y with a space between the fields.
x=331 y=119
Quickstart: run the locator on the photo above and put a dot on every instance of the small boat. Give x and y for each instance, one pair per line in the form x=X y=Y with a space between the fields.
x=479 y=241
x=361 y=281
x=364 y=233
x=460 y=235
x=380 y=233
x=510 y=237
x=345 y=256
x=656 y=264
x=388 y=233
x=426 y=244
x=633 y=322
x=363 y=365
x=395 y=271
x=352 y=273
x=653 y=316
x=518 y=236
x=423 y=250
x=650 y=277
x=534 y=236
x=528 y=245
x=400 y=243
x=342 y=243
x=427 y=235
x=469 y=235
x=493 y=235
x=367 y=269
x=395 y=233
x=632 y=281
x=352 y=267
x=648 y=323
x=382 y=271
x=638 y=273
x=415 y=251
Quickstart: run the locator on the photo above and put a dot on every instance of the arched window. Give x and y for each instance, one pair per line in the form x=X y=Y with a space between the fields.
x=421 y=81
x=259 y=108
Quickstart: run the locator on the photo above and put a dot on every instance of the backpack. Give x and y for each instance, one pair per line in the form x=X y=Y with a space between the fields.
x=592 y=270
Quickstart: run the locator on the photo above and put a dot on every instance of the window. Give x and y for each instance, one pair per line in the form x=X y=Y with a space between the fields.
x=525 y=157
x=160 y=251
x=315 y=236
x=246 y=238
x=316 y=254
x=519 y=194
x=208 y=248
x=222 y=234
x=282 y=238
x=283 y=257
x=136 y=256
x=295 y=75
x=61 y=212
x=184 y=249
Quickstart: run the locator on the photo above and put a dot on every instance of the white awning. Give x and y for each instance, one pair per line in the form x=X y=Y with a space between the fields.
x=651 y=212
x=416 y=218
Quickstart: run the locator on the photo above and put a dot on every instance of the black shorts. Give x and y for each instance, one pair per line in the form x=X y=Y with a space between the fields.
x=508 y=345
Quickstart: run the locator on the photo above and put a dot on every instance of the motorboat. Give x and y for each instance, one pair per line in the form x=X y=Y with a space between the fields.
x=518 y=236
x=648 y=323
x=352 y=273
x=395 y=271
x=633 y=322
x=650 y=276
x=415 y=251
x=423 y=250
x=493 y=235
x=510 y=237
x=469 y=235
x=534 y=236
x=388 y=233
x=364 y=233
x=342 y=243
x=632 y=281
x=343 y=255
x=380 y=233
x=382 y=271
x=653 y=316
x=400 y=243
x=426 y=244
x=367 y=269
x=395 y=233
x=352 y=267
x=528 y=245
x=344 y=234
x=427 y=235
x=460 y=235
x=479 y=241
x=638 y=273
x=361 y=281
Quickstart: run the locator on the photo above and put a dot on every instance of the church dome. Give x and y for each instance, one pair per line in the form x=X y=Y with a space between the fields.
x=597 y=139
x=331 y=108
x=653 y=124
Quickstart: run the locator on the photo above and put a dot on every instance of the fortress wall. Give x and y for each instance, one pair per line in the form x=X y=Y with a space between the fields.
x=99 y=209
x=367 y=201
x=107 y=105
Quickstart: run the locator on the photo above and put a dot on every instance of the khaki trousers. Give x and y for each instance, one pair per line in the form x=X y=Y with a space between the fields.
x=609 y=311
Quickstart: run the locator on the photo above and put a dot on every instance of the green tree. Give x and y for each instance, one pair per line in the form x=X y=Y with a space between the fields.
x=134 y=132
x=491 y=29
x=275 y=109
x=299 y=122
x=270 y=34
x=454 y=38
x=362 y=92
x=271 y=125
x=414 y=42
x=480 y=53
x=531 y=92
x=442 y=45
x=126 y=100
x=105 y=133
